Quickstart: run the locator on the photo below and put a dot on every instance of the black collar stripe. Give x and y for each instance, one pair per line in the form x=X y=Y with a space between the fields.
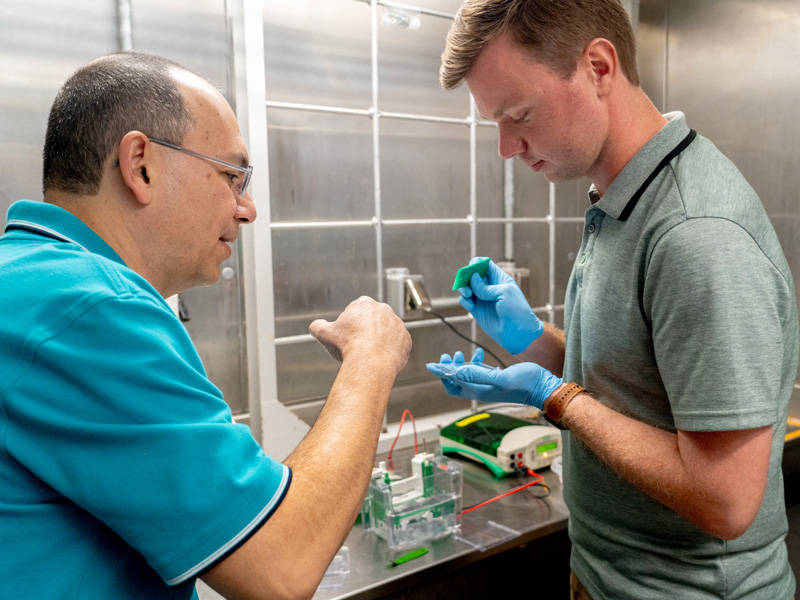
x=626 y=212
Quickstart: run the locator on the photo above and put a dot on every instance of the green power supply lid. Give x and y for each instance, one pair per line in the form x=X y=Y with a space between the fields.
x=464 y=273
x=483 y=431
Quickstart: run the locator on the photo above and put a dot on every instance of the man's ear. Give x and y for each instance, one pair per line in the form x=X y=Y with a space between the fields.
x=136 y=165
x=600 y=58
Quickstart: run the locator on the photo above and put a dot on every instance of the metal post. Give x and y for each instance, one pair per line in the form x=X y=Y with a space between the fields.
x=124 y=25
x=275 y=425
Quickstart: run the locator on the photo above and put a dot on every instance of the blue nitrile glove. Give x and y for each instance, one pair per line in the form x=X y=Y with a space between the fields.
x=452 y=388
x=500 y=308
x=522 y=383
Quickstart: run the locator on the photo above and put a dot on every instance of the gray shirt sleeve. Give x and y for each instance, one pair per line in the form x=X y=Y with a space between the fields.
x=713 y=299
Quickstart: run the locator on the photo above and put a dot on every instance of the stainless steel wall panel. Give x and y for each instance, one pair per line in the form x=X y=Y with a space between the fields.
x=531 y=192
x=568 y=242
x=321 y=166
x=309 y=411
x=422 y=399
x=41 y=43
x=318 y=272
x=408 y=68
x=489 y=241
x=305 y=372
x=532 y=251
x=190 y=32
x=424 y=170
x=434 y=250
x=572 y=199
x=532 y=195
x=490 y=174
x=652 y=49
x=318 y=52
x=20 y=167
x=441 y=6
x=217 y=329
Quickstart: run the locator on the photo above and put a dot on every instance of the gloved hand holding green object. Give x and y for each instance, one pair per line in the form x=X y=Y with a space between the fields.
x=501 y=309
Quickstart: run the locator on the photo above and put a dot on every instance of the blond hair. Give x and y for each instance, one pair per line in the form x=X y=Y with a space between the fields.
x=554 y=31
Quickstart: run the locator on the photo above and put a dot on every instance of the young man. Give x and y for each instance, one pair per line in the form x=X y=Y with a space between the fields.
x=122 y=474
x=680 y=314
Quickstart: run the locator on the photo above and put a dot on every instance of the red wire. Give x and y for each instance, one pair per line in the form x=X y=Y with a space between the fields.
x=539 y=479
x=397 y=437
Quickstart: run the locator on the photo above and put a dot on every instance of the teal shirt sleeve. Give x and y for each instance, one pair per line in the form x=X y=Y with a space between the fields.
x=115 y=413
x=713 y=298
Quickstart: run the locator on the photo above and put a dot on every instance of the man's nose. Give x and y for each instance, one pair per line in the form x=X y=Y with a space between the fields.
x=246 y=209
x=510 y=144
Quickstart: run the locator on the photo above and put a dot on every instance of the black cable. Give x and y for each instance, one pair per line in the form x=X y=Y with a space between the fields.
x=542 y=486
x=461 y=335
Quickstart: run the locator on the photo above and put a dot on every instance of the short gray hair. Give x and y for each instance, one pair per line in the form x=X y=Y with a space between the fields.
x=98 y=105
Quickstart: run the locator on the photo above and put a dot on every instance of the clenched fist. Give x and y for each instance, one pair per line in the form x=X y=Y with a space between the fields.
x=366 y=330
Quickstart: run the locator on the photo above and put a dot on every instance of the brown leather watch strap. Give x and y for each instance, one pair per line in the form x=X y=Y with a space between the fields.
x=556 y=403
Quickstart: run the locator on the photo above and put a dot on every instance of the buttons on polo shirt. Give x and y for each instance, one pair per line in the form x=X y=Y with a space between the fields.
x=591 y=231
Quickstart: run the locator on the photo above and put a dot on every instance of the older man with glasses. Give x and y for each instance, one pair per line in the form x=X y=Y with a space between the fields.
x=122 y=474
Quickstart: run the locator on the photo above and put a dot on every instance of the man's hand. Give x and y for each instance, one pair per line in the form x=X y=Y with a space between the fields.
x=501 y=309
x=368 y=330
x=523 y=383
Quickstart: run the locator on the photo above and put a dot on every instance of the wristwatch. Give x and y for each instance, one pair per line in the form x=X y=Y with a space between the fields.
x=556 y=404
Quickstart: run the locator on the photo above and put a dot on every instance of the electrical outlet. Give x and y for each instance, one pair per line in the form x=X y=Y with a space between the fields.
x=406 y=294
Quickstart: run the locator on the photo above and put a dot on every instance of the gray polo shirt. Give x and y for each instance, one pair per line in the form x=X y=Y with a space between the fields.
x=681 y=313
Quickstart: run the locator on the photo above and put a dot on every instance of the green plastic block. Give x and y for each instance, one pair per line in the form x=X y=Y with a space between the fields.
x=464 y=273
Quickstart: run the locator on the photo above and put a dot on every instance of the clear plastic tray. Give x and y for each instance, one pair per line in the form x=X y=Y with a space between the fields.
x=337 y=571
x=483 y=534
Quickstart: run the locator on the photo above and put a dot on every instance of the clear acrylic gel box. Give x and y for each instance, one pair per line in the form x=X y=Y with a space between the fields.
x=420 y=504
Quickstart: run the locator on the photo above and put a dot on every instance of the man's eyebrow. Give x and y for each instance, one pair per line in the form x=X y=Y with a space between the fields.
x=238 y=159
x=501 y=111
x=497 y=114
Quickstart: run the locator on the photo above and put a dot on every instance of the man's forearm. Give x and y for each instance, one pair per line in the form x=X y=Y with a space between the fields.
x=695 y=474
x=336 y=457
x=288 y=555
x=547 y=350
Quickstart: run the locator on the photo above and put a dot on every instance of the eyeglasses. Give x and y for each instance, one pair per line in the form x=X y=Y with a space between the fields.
x=247 y=172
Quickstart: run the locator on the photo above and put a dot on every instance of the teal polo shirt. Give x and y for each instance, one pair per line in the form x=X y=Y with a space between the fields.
x=122 y=474
x=680 y=312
